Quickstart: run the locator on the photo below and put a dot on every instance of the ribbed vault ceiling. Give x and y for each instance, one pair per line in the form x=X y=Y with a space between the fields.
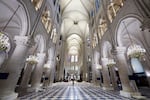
x=75 y=19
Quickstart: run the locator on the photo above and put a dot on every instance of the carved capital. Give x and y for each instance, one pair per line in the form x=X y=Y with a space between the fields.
x=120 y=50
x=21 y=40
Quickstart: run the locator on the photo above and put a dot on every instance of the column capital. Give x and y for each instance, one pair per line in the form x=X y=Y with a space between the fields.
x=104 y=59
x=22 y=40
x=120 y=50
x=41 y=55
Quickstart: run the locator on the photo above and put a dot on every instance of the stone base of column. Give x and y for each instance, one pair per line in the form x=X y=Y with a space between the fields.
x=34 y=89
x=140 y=97
x=108 y=88
x=96 y=84
x=12 y=96
x=136 y=95
x=31 y=89
x=22 y=91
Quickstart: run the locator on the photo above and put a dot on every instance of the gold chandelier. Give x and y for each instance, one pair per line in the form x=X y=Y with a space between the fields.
x=134 y=50
x=32 y=59
x=4 y=42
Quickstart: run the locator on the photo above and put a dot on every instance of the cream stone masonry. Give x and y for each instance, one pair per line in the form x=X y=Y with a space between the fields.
x=127 y=89
x=29 y=67
x=105 y=72
x=13 y=68
x=37 y=73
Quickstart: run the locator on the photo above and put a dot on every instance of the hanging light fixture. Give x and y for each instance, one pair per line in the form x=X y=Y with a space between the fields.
x=32 y=59
x=4 y=39
x=4 y=42
x=111 y=62
x=134 y=50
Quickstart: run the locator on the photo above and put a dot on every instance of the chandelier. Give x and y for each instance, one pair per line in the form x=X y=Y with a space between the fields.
x=111 y=62
x=135 y=51
x=32 y=59
x=4 y=39
x=4 y=42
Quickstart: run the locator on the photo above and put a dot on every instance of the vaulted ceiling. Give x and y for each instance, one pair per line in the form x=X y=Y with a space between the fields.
x=75 y=22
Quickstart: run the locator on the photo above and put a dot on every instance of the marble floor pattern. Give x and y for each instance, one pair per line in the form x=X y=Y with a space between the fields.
x=80 y=91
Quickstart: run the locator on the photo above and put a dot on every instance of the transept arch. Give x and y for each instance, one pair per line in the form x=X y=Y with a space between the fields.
x=128 y=33
x=128 y=19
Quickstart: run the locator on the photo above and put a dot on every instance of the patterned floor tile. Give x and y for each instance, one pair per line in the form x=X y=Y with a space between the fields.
x=77 y=92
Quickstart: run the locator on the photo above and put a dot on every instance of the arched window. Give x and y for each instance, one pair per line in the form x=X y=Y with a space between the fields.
x=74 y=58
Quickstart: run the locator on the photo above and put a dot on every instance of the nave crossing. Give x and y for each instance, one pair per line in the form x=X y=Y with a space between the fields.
x=78 y=91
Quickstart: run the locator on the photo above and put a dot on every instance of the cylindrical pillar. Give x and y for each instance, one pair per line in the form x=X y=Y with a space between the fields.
x=52 y=72
x=85 y=74
x=2 y=57
x=93 y=72
x=105 y=73
x=113 y=77
x=97 y=72
x=26 y=76
x=51 y=61
x=127 y=90
x=61 y=65
x=37 y=73
x=13 y=69
x=47 y=77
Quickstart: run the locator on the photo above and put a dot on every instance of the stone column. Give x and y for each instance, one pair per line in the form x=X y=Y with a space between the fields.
x=47 y=77
x=37 y=73
x=98 y=82
x=100 y=75
x=58 y=77
x=61 y=65
x=93 y=67
x=113 y=77
x=93 y=73
x=52 y=62
x=53 y=71
x=97 y=72
x=85 y=74
x=105 y=73
x=26 y=76
x=127 y=90
x=48 y=71
x=2 y=57
x=146 y=68
x=13 y=67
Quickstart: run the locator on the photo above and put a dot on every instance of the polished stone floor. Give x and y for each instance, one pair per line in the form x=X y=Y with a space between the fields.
x=78 y=91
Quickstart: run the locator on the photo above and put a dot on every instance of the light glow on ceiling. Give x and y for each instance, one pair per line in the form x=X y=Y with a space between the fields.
x=75 y=23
